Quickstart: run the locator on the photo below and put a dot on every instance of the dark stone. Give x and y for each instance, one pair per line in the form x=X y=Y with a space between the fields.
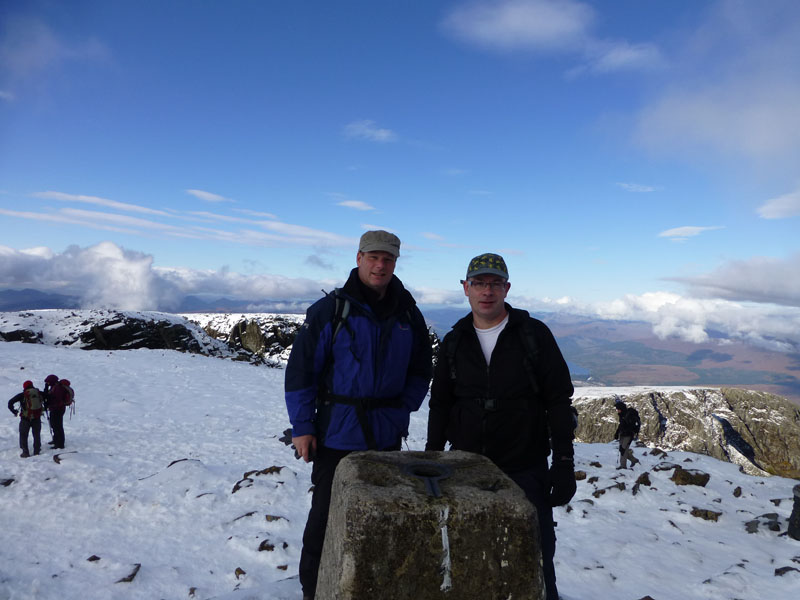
x=708 y=515
x=683 y=476
x=21 y=335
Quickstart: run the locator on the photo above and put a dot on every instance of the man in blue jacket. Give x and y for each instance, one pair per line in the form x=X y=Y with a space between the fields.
x=359 y=366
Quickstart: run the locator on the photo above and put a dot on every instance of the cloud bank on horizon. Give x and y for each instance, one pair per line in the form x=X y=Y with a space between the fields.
x=730 y=302
x=636 y=161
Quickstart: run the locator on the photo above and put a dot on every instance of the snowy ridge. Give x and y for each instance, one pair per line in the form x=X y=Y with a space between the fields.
x=71 y=327
x=161 y=440
x=225 y=322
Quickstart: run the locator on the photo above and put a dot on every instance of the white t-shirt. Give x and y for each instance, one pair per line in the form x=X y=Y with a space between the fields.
x=488 y=338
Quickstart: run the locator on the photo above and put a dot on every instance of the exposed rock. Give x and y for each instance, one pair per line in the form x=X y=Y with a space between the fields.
x=770 y=520
x=109 y=330
x=756 y=430
x=21 y=335
x=708 y=515
x=683 y=476
x=132 y=575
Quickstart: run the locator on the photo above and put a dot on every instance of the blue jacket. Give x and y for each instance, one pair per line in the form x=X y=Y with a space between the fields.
x=386 y=355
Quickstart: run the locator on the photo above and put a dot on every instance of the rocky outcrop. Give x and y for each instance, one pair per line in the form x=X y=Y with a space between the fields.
x=109 y=330
x=756 y=430
x=264 y=335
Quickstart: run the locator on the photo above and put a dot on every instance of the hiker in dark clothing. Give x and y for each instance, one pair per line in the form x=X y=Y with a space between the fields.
x=30 y=412
x=57 y=398
x=493 y=395
x=359 y=366
x=627 y=430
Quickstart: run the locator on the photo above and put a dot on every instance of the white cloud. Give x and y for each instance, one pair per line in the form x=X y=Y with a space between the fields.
x=366 y=129
x=637 y=188
x=547 y=27
x=695 y=319
x=62 y=197
x=609 y=57
x=733 y=90
x=680 y=234
x=315 y=260
x=7 y=96
x=432 y=236
x=208 y=196
x=757 y=279
x=65 y=217
x=255 y=213
x=373 y=227
x=527 y=24
x=106 y=275
x=438 y=297
x=357 y=204
x=781 y=207
x=30 y=50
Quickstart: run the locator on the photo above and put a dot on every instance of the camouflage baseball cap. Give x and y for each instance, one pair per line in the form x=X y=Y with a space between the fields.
x=487 y=264
x=380 y=241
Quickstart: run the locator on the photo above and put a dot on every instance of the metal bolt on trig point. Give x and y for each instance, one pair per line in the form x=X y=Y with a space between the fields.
x=430 y=473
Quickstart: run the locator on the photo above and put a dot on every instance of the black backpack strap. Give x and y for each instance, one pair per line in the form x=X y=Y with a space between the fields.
x=340 y=313
x=450 y=347
x=531 y=353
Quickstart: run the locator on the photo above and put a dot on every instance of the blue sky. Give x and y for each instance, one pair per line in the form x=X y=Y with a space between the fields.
x=630 y=159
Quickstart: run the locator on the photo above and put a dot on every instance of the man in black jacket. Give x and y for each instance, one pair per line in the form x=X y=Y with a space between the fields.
x=501 y=388
x=627 y=430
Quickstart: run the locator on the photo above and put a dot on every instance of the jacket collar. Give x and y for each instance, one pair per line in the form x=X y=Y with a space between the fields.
x=515 y=318
x=396 y=300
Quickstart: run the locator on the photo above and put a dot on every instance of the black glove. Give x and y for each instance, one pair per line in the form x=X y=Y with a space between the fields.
x=15 y=413
x=287 y=437
x=562 y=481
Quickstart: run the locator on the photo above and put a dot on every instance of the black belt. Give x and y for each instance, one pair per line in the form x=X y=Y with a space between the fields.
x=362 y=405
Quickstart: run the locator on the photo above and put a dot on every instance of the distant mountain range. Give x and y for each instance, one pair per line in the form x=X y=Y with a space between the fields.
x=612 y=353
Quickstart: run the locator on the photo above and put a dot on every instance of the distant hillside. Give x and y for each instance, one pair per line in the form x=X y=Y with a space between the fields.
x=34 y=300
x=623 y=353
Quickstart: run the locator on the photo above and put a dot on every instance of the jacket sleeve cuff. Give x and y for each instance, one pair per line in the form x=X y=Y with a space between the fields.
x=304 y=428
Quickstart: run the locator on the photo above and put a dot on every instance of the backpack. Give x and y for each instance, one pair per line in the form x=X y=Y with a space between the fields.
x=70 y=392
x=632 y=419
x=32 y=406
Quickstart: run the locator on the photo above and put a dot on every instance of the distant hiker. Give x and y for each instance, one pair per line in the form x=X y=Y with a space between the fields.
x=501 y=388
x=30 y=412
x=627 y=431
x=57 y=398
x=359 y=366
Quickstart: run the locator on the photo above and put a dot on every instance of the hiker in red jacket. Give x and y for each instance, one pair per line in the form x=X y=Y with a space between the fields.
x=57 y=398
x=30 y=412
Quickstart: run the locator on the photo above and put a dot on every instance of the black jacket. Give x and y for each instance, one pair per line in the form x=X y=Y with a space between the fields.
x=628 y=423
x=514 y=425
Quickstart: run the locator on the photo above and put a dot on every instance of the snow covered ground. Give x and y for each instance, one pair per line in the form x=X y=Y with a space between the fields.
x=173 y=463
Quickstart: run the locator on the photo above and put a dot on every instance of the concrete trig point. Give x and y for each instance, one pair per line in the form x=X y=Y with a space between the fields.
x=425 y=525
